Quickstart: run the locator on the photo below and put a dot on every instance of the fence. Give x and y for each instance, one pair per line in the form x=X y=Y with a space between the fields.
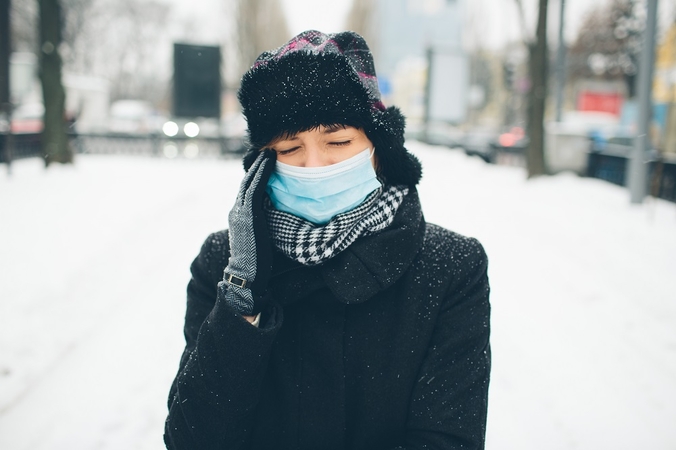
x=609 y=164
x=28 y=145
x=23 y=146
x=612 y=162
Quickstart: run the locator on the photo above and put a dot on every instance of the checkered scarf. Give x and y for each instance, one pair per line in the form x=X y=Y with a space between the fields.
x=310 y=244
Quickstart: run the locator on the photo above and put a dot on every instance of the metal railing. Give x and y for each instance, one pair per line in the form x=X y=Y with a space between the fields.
x=29 y=145
x=611 y=163
x=23 y=146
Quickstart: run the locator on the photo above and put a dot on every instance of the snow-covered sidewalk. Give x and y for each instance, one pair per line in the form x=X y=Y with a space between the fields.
x=94 y=261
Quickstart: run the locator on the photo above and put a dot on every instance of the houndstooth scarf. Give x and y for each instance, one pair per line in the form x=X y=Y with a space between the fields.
x=310 y=244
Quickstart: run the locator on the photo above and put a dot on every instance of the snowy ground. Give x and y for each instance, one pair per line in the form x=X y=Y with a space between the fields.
x=94 y=262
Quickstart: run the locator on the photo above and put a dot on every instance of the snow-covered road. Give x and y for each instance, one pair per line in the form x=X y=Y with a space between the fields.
x=94 y=261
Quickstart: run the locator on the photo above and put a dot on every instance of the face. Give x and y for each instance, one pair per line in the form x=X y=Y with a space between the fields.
x=321 y=146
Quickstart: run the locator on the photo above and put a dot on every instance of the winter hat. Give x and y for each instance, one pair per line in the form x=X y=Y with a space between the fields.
x=324 y=79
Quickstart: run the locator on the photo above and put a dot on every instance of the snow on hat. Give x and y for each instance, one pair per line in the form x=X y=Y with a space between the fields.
x=324 y=79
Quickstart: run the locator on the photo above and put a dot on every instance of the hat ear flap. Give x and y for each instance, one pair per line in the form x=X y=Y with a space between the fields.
x=396 y=165
x=250 y=157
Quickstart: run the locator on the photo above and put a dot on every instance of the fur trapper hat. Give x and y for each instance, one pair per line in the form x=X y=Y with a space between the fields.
x=319 y=79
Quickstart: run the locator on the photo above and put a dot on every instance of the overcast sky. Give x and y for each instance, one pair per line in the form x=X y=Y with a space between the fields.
x=494 y=21
x=326 y=16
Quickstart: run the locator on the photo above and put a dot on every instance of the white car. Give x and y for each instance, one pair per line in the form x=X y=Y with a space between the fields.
x=134 y=117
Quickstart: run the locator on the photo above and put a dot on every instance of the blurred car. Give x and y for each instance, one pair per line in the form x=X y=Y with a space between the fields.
x=567 y=143
x=230 y=131
x=27 y=118
x=181 y=127
x=442 y=134
x=513 y=140
x=134 y=117
x=479 y=142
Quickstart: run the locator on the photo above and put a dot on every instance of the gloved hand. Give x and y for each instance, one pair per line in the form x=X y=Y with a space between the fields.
x=246 y=277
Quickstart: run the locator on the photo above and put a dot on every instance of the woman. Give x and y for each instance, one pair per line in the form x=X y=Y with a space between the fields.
x=331 y=315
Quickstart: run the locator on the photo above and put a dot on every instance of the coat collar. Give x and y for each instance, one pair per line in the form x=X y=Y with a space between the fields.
x=368 y=266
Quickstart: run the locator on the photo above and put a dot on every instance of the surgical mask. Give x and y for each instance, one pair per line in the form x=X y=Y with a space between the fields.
x=317 y=194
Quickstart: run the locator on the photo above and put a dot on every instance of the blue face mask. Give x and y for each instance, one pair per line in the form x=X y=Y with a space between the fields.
x=317 y=194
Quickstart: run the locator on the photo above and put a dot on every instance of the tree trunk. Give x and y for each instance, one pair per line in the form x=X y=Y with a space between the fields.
x=537 y=66
x=55 y=147
x=5 y=97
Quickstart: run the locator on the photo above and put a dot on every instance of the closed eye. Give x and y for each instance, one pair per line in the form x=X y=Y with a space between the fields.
x=287 y=152
x=341 y=143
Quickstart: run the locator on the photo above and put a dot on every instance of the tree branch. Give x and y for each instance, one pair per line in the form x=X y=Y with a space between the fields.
x=525 y=36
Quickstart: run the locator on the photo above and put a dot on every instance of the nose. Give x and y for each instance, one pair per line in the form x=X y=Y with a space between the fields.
x=315 y=156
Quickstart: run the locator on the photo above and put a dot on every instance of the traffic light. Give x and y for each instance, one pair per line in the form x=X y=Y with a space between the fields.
x=508 y=75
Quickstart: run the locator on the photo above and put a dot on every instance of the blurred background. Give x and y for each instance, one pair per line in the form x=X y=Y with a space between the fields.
x=547 y=128
x=557 y=81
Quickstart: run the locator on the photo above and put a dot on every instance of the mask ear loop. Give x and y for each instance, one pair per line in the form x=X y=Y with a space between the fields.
x=376 y=168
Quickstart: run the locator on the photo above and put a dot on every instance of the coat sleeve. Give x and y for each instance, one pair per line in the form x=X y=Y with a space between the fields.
x=450 y=399
x=214 y=395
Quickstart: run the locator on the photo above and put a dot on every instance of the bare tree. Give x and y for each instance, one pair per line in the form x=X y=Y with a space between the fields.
x=55 y=145
x=24 y=23
x=261 y=25
x=133 y=63
x=362 y=19
x=609 y=42
x=121 y=49
x=78 y=16
x=538 y=60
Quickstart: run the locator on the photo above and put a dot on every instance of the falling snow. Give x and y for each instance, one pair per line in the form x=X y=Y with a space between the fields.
x=94 y=261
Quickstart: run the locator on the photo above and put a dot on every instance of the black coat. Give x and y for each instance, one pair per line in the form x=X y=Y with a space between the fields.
x=384 y=346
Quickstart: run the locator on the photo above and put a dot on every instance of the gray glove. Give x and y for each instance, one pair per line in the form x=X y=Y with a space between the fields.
x=245 y=279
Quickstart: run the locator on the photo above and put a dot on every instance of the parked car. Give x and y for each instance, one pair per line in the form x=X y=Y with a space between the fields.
x=513 y=140
x=479 y=142
x=444 y=135
x=436 y=134
x=27 y=118
x=134 y=117
x=567 y=143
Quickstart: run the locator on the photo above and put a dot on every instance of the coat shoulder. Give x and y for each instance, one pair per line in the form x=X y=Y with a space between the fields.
x=446 y=245
x=456 y=263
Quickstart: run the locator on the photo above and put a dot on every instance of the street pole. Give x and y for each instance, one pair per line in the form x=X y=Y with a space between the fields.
x=638 y=168
x=560 y=65
x=428 y=101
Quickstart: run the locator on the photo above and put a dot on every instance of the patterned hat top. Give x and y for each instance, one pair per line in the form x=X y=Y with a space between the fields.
x=348 y=44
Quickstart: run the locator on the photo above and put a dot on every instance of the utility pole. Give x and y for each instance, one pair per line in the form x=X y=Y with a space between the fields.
x=560 y=65
x=428 y=88
x=638 y=168
x=5 y=100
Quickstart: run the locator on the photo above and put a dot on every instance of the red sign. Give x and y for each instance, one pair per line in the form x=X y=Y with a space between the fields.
x=610 y=102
